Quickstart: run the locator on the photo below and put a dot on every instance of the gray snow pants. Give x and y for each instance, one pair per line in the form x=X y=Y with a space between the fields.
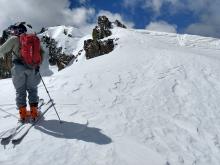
x=25 y=81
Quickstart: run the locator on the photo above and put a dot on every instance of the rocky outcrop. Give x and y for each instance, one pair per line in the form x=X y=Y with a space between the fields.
x=1 y=41
x=102 y=30
x=56 y=57
x=96 y=46
x=6 y=62
x=103 y=22
x=119 y=24
x=106 y=46
x=100 y=33
x=91 y=48
x=5 y=66
x=43 y=29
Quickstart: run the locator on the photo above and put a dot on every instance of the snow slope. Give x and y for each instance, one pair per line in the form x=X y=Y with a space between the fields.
x=154 y=100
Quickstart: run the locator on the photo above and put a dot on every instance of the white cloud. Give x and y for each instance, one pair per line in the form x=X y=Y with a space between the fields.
x=43 y=13
x=207 y=12
x=203 y=29
x=112 y=17
x=83 y=1
x=153 y=4
x=131 y=3
x=161 y=26
x=78 y=16
x=209 y=22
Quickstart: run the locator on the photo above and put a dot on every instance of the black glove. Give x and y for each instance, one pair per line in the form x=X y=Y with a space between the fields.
x=37 y=69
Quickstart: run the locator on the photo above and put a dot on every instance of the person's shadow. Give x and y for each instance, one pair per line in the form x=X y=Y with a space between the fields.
x=71 y=130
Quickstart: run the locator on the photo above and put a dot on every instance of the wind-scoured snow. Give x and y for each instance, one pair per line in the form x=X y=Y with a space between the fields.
x=154 y=100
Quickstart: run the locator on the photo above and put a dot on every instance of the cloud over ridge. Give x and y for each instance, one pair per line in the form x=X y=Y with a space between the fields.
x=43 y=13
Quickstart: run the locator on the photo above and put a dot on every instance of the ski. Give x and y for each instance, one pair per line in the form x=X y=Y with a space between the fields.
x=8 y=134
x=21 y=133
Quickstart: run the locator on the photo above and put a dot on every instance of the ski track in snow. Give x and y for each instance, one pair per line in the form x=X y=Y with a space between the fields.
x=153 y=100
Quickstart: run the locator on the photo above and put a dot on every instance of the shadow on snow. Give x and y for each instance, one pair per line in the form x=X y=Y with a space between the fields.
x=71 y=130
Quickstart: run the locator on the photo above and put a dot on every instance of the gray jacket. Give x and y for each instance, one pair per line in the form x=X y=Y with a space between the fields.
x=12 y=44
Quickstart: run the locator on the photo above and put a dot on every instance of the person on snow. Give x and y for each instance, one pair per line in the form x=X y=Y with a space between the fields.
x=24 y=78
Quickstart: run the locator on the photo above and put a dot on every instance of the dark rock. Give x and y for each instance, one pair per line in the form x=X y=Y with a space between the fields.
x=103 y=29
x=6 y=62
x=106 y=46
x=100 y=33
x=70 y=35
x=65 y=31
x=5 y=66
x=119 y=24
x=1 y=41
x=96 y=33
x=5 y=36
x=52 y=61
x=94 y=48
x=91 y=48
x=104 y=23
x=43 y=29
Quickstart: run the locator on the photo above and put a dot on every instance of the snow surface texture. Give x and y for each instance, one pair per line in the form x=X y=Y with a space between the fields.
x=154 y=100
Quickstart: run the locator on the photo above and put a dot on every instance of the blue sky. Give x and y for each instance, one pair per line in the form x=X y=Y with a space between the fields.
x=199 y=17
x=116 y=6
x=185 y=16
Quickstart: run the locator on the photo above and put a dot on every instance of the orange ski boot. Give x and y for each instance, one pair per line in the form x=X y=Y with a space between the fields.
x=23 y=113
x=34 y=112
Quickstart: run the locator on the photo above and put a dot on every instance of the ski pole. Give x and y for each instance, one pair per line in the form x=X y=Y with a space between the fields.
x=50 y=97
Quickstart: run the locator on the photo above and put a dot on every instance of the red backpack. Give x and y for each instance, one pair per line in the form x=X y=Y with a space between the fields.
x=30 y=50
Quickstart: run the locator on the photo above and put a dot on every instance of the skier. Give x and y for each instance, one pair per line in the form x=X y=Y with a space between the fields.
x=24 y=77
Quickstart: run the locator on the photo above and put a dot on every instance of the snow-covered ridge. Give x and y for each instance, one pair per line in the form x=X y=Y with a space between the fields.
x=185 y=39
x=66 y=36
x=153 y=100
